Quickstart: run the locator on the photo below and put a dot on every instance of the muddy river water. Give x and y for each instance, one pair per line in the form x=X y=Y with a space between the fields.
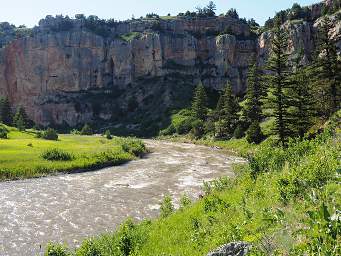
x=69 y=208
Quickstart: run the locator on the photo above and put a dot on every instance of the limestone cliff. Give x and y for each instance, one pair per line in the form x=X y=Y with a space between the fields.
x=68 y=72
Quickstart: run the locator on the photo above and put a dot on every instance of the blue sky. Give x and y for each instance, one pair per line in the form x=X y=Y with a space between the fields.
x=29 y=12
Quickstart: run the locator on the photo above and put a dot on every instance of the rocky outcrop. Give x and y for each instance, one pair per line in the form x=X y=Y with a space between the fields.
x=51 y=72
x=67 y=72
x=232 y=249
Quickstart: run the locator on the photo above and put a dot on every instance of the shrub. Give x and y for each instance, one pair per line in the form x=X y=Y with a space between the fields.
x=107 y=134
x=56 y=250
x=49 y=134
x=184 y=201
x=3 y=132
x=167 y=207
x=75 y=132
x=134 y=146
x=254 y=134
x=86 y=130
x=198 y=129
x=56 y=155
x=239 y=132
x=168 y=131
x=88 y=248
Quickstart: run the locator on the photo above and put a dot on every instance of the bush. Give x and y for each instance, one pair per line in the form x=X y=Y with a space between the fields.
x=198 y=129
x=56 y=250
x=107 y=134
x=3 y=132
x=134 y=147
x=239 y=132
x=86 y=130
x=167 y=207
x=88 y=248
x=49 y=134
x=170 y=130
x=75 y=132
x=254 y=134
x=56 y=155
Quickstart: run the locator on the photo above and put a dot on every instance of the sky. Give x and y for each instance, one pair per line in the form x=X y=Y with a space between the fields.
x=29 y=12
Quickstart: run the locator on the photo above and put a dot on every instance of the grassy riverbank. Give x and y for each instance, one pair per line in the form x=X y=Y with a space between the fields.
x=284 y=202
x=21 y=154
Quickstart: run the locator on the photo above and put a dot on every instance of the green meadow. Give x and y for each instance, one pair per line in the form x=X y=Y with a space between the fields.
x=21 y=153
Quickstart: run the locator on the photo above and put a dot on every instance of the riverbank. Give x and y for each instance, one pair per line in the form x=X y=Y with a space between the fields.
x=21 y=154
x=284 y=202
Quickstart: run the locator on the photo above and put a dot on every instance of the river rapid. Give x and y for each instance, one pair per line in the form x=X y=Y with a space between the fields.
x=69 y=208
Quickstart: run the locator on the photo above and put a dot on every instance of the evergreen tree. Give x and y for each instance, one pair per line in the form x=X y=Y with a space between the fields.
x=278 y=80
x=252 y=110
x=254 y=134
x=20 y=119
x=5 y=111
x=328 y=69
x=199 y=103
x=227 y=114
x=301 y=100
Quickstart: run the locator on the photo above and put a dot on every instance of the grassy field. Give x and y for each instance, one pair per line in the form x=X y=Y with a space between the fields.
x=284 y=202
x=21 y=153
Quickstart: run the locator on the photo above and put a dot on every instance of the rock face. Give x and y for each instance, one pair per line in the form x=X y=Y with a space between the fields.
x=67 y=73
x=54 y=75
x=232 y=249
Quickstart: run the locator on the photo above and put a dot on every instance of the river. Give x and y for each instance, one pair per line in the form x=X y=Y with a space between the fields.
x=69 y=208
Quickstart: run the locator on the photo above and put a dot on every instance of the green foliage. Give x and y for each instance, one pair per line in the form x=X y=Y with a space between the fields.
x=185 y=201
x=134 y=147
x=302 y=111
x=199 y=103
x=278 y=82
x=56 y=154
x=107 y=134
x=226 y=114
x=56 y=250
x=130 y=36
x=49 y=134
x=239 y=132
x=86 y=130
x=254 y=134
x=3 y=132
x=197 y=129
x=252 y=109
x=88 y=248
x=328 y=69
x=168 y=131
x=5 y=111
x=20 y=119
x=167 y=207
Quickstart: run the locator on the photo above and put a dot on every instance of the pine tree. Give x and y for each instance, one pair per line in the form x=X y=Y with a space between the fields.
x=301 y=100
x=20 y=119
x=199 y=103
x=227 y=114
x=278 y=83
x=5 y=111
x=252 y=110
x=328 y=68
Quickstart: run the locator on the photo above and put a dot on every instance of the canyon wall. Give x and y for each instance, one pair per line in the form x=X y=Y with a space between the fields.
x=74 y=75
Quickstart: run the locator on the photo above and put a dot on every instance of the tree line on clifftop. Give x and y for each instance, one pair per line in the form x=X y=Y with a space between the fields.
x=293 y=95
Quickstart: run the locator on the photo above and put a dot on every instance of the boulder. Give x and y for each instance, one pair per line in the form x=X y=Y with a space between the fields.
x=232 y=249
